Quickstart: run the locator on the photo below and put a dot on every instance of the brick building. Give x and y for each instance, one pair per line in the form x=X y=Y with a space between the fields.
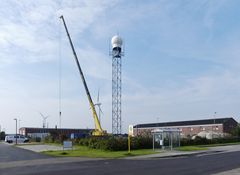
x=221 y=126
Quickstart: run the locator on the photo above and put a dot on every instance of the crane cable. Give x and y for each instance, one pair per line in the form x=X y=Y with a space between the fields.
x=60 y=73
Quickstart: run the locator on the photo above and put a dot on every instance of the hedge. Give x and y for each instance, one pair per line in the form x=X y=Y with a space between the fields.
x=115 y=143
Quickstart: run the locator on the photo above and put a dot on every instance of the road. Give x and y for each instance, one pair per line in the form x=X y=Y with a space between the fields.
x=197 y=165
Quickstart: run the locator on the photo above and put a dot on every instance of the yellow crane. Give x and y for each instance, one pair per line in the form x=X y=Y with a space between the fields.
x=98 y=129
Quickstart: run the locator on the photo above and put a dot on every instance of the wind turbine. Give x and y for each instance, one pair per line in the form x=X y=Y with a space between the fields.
x=99 y=107
x=44 y=119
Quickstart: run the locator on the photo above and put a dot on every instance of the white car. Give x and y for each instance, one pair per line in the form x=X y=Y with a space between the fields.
x=12 y=139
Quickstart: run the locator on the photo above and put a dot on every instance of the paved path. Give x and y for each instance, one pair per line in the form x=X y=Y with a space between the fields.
x=210 y=151
x=41 y=148
x=12 y=153
x=229 y=148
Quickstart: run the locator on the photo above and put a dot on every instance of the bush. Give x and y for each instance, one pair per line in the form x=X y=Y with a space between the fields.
x=62 y=137
x=2 y=135
x=116 y=143
x=49 y=139
x=141 y=142
x=38 y=139
x=83 y=142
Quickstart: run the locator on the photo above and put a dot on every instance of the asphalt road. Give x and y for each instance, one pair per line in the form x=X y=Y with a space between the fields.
x=191 y=165
x=11 y=153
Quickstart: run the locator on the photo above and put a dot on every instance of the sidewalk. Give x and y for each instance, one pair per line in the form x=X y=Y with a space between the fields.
x=167 y=154
x=175 y=153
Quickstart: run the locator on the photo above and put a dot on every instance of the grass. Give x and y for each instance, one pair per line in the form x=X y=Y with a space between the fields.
x=192 y=148
x=82 y=151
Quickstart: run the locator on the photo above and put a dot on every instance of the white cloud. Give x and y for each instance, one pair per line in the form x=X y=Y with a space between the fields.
x=197 y=99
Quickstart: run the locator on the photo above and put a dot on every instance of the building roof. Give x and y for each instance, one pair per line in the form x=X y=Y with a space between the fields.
x=55 y=129
x=184 y=123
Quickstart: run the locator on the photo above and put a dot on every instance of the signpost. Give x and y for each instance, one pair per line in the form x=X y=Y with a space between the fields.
x=67 y=145
x=130 y=134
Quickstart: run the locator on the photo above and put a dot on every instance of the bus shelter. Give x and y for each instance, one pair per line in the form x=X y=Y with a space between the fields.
x=166 y=138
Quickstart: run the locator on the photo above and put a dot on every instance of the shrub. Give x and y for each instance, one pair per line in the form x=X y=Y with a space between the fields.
x=48 y=139
x=83 y=142
x=38 y=139
x=62 y=137
x=112 y=143
x=141 y=142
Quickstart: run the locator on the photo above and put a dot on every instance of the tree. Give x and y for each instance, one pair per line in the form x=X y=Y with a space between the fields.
x=236 y=131
x=2 y=135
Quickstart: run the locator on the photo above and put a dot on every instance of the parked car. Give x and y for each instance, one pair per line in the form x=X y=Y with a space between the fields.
x=12 y=138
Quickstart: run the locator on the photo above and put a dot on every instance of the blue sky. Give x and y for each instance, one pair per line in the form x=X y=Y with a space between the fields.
x=181 y=60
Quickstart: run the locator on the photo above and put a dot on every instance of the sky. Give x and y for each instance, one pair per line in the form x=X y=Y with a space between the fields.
x=181 y=61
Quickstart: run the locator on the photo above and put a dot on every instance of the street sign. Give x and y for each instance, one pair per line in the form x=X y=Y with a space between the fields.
x=67 y=145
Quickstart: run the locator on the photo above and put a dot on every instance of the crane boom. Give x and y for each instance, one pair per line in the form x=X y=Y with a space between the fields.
x=98 y=129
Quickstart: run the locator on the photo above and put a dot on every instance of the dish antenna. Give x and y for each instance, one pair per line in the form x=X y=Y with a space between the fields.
x=44 y=119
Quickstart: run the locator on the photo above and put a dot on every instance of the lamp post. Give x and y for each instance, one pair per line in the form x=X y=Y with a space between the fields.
x=19 y=120
x=214 y=118
x=16 y=130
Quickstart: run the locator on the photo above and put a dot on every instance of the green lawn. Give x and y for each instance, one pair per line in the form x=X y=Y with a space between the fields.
x=192 y=148
x=81 y=151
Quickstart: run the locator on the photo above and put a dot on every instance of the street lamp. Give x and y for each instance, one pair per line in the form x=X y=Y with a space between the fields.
x=16 y=129
x=214 y=118
x=19 y=120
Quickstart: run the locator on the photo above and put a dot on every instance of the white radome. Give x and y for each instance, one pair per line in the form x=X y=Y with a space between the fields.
x=116 y=41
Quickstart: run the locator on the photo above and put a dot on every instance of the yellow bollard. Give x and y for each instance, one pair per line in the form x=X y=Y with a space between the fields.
x=129 y=143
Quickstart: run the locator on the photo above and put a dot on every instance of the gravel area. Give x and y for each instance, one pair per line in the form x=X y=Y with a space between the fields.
x=41 y=148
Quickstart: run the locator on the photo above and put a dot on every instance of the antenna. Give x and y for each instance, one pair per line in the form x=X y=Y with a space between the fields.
x=117 y=53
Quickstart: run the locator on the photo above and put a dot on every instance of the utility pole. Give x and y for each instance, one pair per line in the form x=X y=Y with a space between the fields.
x=19 y=120
x=214 y=116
